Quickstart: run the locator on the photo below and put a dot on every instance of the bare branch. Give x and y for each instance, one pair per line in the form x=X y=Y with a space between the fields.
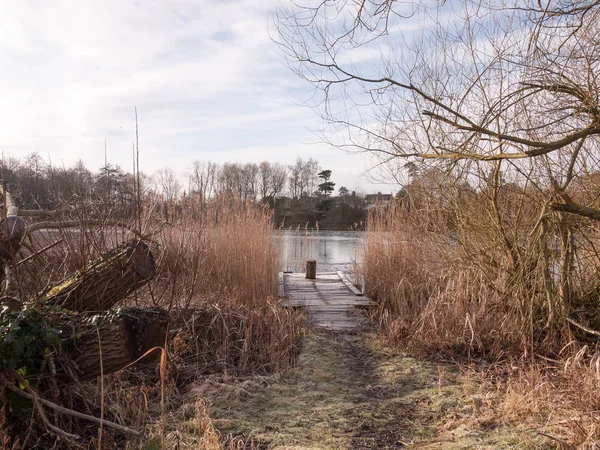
x=36 y=399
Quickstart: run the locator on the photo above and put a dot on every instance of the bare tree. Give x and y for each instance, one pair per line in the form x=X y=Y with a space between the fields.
x=303 y=179
x=272 y=179
x=227 y=178
x=203 y=178
x=294 y=180
x=278 y=179
x=250 y=181
x=265 y=170
x=166 y=180
x=309 y=179
x=482 y=80
x=81 y=179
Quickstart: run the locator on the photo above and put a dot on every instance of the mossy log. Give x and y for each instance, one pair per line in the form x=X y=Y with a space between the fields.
x=105 y=282
x=122 y=336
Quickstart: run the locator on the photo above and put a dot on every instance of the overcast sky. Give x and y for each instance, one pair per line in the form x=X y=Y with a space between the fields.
x=208 y=83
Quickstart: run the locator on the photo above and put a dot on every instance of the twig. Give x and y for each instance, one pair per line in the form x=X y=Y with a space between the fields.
x=70 y=412
x=543 y=215
x=562 y=443
x=584 y=328
x=140 y=358
x=545 y=358
x=37 y=401
x=39 y=252
x=43 y=212
x=78 y=223
x=90 y=222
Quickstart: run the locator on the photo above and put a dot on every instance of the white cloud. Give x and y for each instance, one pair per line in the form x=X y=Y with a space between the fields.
x=206 y=79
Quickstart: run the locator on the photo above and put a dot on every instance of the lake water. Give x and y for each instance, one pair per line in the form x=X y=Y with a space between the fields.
x=333 y=250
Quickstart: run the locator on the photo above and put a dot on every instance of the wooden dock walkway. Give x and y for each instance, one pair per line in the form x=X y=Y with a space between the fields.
x=330 y=300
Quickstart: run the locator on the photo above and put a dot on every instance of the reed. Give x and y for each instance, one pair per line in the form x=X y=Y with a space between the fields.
x=217 y=264
x=482 y=275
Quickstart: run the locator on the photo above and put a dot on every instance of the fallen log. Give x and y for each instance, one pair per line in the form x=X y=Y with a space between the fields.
x=12 y=231
x=105 y=282
x=123 y=337
x=12 y=227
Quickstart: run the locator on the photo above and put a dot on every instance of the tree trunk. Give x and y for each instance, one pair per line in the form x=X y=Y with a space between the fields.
x=106 y=281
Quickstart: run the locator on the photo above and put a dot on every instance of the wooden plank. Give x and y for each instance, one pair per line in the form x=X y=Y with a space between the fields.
x=345 y=305
x=348 y=283
x=328 y=300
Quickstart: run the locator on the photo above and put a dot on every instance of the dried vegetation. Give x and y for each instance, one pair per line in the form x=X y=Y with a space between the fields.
x=478 y=274
x=216 y=277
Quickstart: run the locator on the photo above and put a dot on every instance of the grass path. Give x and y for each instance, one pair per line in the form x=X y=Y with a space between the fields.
x=349 y=392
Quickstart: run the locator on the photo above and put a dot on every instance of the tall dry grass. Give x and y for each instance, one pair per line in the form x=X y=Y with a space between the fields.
x=563 y=399
x=223 y=248
x=432 y=294
x=481 y=271
x=491 y=272
x=217 y=264
x=220 y=256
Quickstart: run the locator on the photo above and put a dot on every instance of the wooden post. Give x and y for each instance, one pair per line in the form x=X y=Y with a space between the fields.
x=311 y=269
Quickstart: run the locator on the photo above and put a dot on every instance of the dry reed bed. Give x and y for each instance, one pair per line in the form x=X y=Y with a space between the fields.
x=470 y=279
x=217 y=276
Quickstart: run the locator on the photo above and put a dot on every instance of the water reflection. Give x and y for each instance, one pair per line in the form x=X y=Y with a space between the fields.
x=333 y=250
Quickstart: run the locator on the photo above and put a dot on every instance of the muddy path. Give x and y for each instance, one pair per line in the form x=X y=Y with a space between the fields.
x=350 y=392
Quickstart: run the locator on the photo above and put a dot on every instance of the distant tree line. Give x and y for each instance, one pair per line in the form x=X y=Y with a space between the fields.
x=258 y=181
x=39 y=185
x=300 y=193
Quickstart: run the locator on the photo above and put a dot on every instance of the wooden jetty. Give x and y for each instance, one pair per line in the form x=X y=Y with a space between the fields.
x=330 y=299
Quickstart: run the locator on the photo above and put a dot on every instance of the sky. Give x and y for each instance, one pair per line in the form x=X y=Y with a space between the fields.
x=206 y=79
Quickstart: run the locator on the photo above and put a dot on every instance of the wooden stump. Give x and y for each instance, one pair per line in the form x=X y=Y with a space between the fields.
x=107 y=281
x=311 y=269
x=124 y=335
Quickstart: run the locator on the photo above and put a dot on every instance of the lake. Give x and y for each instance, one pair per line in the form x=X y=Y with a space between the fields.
x=333 y=250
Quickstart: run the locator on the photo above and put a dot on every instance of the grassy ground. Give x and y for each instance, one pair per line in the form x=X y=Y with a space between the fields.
x=348 y=391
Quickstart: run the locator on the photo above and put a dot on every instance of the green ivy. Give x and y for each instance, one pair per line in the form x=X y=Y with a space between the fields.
x=26 y=337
